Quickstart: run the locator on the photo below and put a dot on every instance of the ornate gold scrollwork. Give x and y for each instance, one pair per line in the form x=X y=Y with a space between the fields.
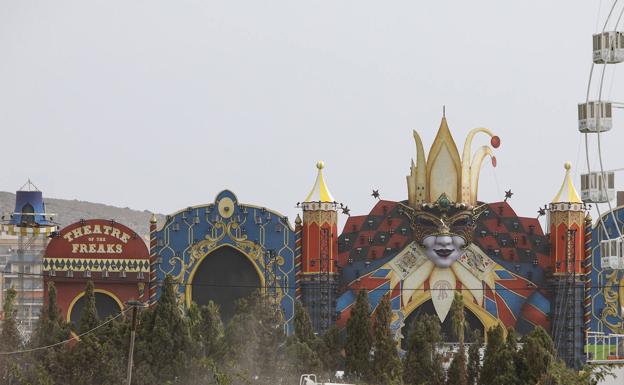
x=611 y=296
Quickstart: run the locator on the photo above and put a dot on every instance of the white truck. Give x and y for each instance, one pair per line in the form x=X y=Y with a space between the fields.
x=310 y=379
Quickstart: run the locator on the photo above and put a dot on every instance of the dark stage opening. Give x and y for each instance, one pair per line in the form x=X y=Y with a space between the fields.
x=105 y=304
x=472 y=323
x=224 y=276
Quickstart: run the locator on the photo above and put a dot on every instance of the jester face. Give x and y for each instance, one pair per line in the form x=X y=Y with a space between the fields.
x=444 y=230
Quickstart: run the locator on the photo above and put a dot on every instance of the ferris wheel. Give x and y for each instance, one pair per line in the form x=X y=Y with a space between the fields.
x=595 y=119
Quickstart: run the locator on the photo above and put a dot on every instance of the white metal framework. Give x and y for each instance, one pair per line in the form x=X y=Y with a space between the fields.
x=595 y=115
x=608 y=47
x=598 y=187
x=604 y=348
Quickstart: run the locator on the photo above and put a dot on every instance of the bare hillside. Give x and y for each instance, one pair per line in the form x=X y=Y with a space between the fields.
x=70 y=211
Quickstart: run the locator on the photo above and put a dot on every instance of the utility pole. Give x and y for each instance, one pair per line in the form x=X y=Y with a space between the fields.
x=135 y=306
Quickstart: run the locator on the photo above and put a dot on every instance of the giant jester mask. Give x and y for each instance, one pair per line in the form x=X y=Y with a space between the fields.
x=442 y=194
x=444 y=229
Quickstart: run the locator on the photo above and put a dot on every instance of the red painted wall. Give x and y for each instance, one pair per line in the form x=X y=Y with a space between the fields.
x=97 y=239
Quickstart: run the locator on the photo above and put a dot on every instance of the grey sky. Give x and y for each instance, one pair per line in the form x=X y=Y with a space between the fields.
x=160 y=105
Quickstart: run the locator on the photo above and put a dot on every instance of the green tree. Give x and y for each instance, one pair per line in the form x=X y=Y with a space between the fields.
x=457 y=374
x=386 y=368
x=89 y=318
x=498 y=363
x=423 y=362
x=303 y=325
x=256 y=330
x=331 y=350
x=10 y=340
x=359 y=338
x=164 y=343
x=95 y=358
x=474 y=359
x=51 y=329
x=212 y=330
x=538 y=351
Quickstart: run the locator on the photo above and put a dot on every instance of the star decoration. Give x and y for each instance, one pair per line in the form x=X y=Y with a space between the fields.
x=346 y=210
x=508 y=194
x=375 y=194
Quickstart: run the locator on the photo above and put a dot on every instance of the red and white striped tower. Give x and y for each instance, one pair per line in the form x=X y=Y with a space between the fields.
x=588 y=269
x=298 y=272
x=152 y=281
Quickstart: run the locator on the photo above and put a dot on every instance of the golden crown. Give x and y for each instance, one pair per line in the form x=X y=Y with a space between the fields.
x=444 y=173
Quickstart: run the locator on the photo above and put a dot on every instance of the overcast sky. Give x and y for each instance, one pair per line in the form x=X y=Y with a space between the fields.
x=159 y=105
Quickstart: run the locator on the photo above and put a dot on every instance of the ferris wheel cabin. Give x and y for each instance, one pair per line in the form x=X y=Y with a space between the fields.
x=608 y=47
x=597 y=187
x=612 y=254
x=594 y=117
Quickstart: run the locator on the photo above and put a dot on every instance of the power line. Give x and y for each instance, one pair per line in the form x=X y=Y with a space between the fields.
x=529 y=286
x=76 y=337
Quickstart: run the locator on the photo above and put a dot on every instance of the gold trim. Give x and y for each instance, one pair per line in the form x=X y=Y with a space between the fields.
x=82 y=294
x=189 y=286
x=204 y=205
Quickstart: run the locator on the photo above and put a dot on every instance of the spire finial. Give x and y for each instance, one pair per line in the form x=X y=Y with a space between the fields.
x=320 y=192
x=567 y=193
x=443 y=111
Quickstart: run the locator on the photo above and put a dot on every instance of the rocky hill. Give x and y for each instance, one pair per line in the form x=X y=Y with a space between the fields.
x=70 y=211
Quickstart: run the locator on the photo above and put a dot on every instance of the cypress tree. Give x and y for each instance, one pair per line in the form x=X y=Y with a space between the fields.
x=89 y=317
x=423 y=362
x=359 y=338
x=303 y=325
x=457 y=374
x=10 y=340
x=95 y=357
x=10 y=337
x=256 y=330
x=538 y=352
x=386 y=362
x=163 y=342
x=474 y=359
x=51 y=329
x=498 y=363
x=331 y=350
x=211 y=329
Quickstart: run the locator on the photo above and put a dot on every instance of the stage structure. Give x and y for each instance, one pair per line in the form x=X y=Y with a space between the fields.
x=224 y=251
x=109 y=254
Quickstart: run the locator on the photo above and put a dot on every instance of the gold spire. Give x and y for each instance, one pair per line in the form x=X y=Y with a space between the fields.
x=153 y=218
x=567 y=193
x=320 y=192
x=444 y=166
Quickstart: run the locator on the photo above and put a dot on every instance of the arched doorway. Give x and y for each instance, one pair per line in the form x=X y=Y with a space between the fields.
x=472 y=322
x=105 y=304
x=224 y=276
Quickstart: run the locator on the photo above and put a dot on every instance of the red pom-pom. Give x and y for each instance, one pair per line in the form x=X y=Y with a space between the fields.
x=495 y=141
x=493 y=161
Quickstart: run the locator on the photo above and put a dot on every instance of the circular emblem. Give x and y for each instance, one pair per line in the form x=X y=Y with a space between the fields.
x=226 y=207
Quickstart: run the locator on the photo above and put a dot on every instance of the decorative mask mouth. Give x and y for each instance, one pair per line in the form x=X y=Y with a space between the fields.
x=443 y=253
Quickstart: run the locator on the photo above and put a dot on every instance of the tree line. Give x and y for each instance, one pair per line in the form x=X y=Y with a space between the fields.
x=194 y=347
